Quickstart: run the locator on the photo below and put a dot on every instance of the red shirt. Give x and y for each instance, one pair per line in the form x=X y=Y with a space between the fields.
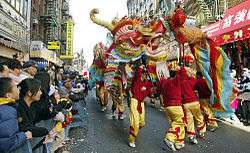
x=202 y=88
x=187 y=87
x=137 y=87
x=171 y=91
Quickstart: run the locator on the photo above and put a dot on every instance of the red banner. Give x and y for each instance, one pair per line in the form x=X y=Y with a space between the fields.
x=235 y=19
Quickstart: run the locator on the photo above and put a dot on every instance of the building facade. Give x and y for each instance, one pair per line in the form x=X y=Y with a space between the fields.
x=14 y=28
x=49 y=22
x=146 y=8
x=209 y=11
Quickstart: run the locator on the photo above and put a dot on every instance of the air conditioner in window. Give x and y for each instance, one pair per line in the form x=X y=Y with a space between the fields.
x=35 y=21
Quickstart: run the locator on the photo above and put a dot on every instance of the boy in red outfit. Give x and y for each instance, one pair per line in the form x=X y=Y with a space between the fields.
x=171 y=92
x=204 y=96
x=140 y=89
x=191 y=105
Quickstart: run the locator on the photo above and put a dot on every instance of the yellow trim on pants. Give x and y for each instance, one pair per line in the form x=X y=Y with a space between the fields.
x=192 y=111
x=136 y=119
x=176 y=132
x=206 y=108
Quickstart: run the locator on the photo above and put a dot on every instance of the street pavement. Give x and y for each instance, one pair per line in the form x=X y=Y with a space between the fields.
x=103 y=134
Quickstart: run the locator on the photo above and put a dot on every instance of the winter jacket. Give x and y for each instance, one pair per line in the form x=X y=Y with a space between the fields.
x=171 y=91
x=202 y=88
x=26 y=119
x=187 y=87
x=137 y=86
x=10 y=136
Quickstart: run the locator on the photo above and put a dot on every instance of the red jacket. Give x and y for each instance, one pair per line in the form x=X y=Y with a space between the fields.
x=187 y=87
x=171 y=91
x=138 y=84
x=202 y=88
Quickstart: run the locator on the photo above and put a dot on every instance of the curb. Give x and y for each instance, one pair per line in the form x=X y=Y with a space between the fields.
x=241 y=127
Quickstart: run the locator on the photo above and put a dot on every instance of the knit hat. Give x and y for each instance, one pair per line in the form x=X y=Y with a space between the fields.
x=29 y=63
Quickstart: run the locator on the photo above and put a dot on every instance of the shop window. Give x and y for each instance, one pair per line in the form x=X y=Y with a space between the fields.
x=21 y=7
x=13 y=3
x=18 y=5
x=25 y=8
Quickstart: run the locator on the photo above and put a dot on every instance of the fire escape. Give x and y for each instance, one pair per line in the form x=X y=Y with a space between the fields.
x=50 y=21
x=200 y=7
x=205 y=10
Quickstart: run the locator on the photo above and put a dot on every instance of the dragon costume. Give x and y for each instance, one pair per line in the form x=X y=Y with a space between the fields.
x=127 y=38
x=210 y=58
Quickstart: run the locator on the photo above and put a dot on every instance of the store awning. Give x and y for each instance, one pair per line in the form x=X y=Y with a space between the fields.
x=233 y=27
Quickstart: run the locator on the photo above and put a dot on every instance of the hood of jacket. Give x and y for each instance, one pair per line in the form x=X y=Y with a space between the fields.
x=4 y=101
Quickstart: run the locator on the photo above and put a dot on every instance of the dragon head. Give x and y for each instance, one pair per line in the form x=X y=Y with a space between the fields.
x=160 y=47
x=126 y=35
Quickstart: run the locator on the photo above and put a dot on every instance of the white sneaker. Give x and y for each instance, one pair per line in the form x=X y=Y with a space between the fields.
x=201 y=134
x=103 y=109
x=179 y=146
x=132 y=144
x=170 y=144
x=193 y=140
x=121 y=117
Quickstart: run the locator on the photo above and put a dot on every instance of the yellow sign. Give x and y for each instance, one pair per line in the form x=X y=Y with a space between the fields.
x=69 y=38
x=55 y=45
x=66 y=57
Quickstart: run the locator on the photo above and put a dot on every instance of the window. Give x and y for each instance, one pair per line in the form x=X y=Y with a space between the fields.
x=151 y=6
x=25 y=8
x=18 y=5
x=161 y=4
x=21 y=7
x=13 y=3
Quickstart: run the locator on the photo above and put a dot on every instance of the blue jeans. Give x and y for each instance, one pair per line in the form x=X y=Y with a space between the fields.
x=25 y=148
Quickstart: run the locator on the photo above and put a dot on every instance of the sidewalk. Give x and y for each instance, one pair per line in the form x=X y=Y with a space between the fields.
x=240 y=126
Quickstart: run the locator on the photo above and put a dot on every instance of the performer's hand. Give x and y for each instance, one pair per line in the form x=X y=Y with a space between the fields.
x=143 y=88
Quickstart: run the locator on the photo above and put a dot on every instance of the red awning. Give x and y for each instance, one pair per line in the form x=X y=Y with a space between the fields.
x=233 y=27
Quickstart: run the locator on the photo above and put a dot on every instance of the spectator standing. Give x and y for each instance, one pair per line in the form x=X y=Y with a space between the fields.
x=10 y=136
x=29 y=69
x=15 y=71
x=4 y=70
x=30 y=92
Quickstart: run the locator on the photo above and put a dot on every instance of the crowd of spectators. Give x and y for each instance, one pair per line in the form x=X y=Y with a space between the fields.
x=35 y=109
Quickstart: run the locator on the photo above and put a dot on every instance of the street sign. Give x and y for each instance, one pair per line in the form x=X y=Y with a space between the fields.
x=54 y=45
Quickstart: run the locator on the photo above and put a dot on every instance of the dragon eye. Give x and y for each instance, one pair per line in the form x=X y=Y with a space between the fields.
x=130 y=27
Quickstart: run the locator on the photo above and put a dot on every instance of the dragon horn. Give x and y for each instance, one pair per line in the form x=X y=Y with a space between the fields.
x=100 y=22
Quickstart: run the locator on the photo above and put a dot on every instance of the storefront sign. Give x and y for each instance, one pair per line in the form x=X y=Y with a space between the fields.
x=69 y=38
x=55 y=45
x=15 y=45
x=235 y=19
x=11 y=29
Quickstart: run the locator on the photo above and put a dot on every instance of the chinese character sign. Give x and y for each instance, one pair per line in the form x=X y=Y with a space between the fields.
x=235 y=18
x=69 y=39
x=228 y=21
x=240 y=16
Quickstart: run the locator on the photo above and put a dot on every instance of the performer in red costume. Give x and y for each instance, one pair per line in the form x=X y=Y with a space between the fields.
x=171 y=91
x=140 y=89
x=191 y=105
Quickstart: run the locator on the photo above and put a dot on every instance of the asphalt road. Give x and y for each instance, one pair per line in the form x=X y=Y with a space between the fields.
x=106 y=135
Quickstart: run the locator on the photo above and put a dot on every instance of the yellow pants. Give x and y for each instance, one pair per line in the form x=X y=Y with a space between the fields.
x=136 y=118
x=176 y=133
x=103 y=96
x=206 y=108
x=192 y=111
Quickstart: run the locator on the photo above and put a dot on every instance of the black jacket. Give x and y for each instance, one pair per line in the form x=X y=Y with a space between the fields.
x=26 y=120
